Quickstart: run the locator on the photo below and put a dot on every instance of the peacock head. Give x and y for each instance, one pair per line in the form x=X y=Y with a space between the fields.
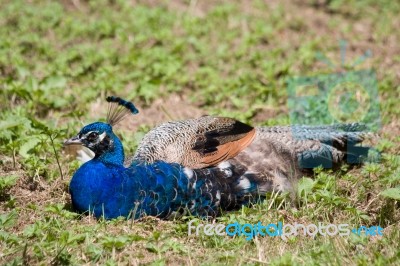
x=99 y=137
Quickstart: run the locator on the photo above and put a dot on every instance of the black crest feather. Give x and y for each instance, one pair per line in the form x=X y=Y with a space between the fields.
x=118 y=109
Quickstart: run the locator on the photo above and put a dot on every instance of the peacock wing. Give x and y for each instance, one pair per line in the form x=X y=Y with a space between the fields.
x=221 y=139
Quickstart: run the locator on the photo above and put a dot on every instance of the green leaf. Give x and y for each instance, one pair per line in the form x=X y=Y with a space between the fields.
x=32 y=230
x=55 y=82
x=8 y=219
x=306 y=184
x=7 y=182
x=392 y=193
x=115 y=242
x=27 y=146
x=39 y=125
x=8 y=124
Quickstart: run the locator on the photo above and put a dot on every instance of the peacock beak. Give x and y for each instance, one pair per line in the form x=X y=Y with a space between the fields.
x=73 y=141
x=76 y=148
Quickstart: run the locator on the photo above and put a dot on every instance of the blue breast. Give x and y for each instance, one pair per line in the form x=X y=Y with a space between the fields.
x=159 y=189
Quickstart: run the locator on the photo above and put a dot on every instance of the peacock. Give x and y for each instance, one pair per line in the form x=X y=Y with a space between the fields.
x=200 y=166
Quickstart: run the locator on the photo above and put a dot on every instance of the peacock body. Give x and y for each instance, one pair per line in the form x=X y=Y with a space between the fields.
x=105 y=187
x=200 y=166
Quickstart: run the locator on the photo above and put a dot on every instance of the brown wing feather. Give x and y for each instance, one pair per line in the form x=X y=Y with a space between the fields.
x=218 y=131
x=228 y=150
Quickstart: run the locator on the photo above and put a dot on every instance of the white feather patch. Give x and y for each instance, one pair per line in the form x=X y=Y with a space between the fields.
x=84 y=154
x=244 y=183
x=224 y=165
x=188 y=172
x=218 y=195
x=226 y=168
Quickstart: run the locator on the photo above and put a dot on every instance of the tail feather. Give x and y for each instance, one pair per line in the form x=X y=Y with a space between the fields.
x=325 y=146
x=357 y=154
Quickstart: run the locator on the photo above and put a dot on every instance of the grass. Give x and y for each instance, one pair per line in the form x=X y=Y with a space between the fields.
x=58 y=61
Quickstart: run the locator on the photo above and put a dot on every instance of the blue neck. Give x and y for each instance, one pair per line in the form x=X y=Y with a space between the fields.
x=115 y=155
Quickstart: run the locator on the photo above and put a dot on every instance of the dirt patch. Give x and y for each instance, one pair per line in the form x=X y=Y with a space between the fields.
x=171 y=107
x=31 y=193
x=263 y=114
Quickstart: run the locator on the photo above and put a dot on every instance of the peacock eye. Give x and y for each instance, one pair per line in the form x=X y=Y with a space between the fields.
x=92 y=136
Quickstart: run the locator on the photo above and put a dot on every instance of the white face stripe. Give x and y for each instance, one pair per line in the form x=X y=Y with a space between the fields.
x=102 y=136
x=87 y=134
